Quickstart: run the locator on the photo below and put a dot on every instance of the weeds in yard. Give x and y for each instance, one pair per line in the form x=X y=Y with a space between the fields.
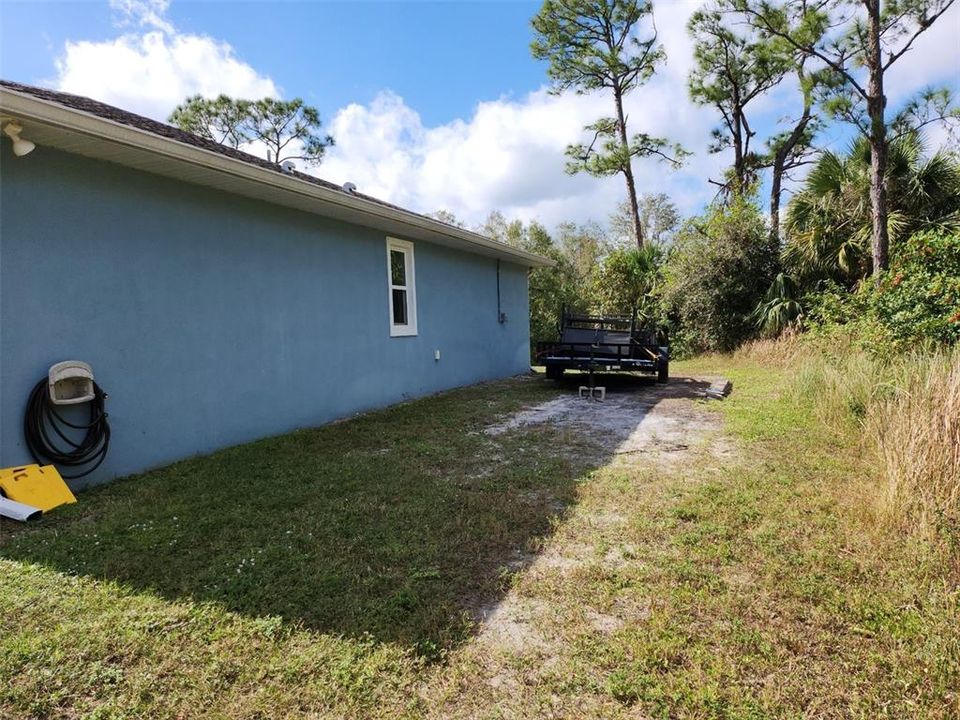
x=917 y=430
x=378 y=526
x=738 y=582
x=904 y=412
x=907 y=414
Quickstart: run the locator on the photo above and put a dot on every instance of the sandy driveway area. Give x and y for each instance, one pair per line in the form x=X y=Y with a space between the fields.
x=641 y=433
x=662 y=421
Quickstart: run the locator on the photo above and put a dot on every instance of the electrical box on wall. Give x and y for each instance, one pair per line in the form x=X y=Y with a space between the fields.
x=70 y=382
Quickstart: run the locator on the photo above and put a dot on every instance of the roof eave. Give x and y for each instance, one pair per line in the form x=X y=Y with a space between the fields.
x=26 y=108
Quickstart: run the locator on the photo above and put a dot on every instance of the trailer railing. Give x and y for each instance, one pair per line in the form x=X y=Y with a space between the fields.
x=602 y=352
x=592 y=342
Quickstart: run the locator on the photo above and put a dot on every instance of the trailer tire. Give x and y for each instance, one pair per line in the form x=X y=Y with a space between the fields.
x=554 y=373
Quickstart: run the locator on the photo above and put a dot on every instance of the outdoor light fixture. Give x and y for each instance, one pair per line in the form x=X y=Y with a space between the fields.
x=21 y=146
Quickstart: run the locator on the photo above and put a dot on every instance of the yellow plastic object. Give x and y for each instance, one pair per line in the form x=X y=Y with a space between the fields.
x=41 y=487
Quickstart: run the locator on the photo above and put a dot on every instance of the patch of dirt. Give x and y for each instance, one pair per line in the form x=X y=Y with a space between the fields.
x=633 y=610
x=511 y=625
x=563 y=559
x=620 y=555
x=566 y=589
x=606 y=518
x=661 y=421
x=544 y=412
x=637 y=425
x=603 y=623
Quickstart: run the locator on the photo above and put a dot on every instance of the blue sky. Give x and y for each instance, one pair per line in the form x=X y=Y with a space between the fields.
x=441 y=57
x=435 y=105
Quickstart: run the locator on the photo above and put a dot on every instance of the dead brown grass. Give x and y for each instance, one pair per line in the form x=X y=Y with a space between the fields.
x=906 y=412
x=917 y=433
x=780 y=352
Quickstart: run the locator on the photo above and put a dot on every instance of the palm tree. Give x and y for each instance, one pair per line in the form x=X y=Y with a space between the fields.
x=625 y=280
x=829 y=223
x=780 y=308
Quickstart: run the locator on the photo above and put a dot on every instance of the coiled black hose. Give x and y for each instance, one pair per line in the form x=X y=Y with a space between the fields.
x=42 y=415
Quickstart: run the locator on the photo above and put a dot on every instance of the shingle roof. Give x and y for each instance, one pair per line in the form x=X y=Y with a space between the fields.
x=110 y=112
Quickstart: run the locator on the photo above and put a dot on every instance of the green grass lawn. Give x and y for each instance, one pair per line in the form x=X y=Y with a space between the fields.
x=339 y=571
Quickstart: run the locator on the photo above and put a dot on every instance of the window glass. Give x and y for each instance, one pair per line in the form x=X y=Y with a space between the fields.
x=398 y=267
x=401 y=288
x=399 y=307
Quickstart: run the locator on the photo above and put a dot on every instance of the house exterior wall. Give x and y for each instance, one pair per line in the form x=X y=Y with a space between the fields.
x=212 y=320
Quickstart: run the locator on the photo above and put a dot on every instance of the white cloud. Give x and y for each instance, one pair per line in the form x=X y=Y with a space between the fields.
x=142 y=13
x=934 y=59
x=509 y=155
x=151 y=71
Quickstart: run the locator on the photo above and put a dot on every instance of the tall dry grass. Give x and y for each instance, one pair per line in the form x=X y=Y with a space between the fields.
x=906 y=410
x=916 y=431
x=781 y=352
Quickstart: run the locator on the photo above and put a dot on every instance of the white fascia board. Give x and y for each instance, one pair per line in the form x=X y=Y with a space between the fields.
x=26 y=108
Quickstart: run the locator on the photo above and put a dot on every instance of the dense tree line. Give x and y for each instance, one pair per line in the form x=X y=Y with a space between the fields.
x=734 y=271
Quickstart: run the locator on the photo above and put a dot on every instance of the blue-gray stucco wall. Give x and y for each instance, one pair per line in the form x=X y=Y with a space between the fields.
x=211 y=319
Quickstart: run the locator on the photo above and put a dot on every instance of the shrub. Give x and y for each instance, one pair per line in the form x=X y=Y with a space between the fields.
x=916 y=303
x=625 y=279
x=832 y=306
x=780 y=309
x=918 y=299
x=716 y=274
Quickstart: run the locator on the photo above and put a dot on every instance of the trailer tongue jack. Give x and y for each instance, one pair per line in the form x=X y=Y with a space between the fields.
x=590 y=391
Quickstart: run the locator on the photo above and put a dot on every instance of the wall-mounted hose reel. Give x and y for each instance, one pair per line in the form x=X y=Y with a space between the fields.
x=77 y=445
x=28 y=491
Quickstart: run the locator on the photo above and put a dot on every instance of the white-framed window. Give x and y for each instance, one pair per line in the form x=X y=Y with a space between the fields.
x=401 y=282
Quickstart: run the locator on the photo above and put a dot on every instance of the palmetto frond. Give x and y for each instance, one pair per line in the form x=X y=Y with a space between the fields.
x=829 y=223
x=780 y=308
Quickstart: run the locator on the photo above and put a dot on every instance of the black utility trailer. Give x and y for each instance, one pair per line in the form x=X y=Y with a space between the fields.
x=604 y=343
